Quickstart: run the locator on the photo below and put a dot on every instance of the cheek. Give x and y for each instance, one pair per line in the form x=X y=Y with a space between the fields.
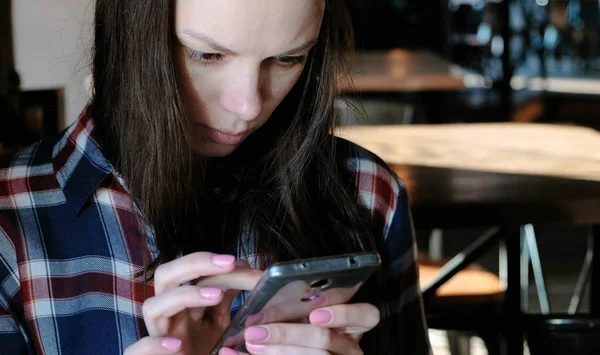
x=201 y=85
x=201 y=89
x=281 y=84
x=199 y=92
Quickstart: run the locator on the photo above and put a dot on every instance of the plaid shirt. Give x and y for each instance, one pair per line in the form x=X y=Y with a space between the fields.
x=70 y=243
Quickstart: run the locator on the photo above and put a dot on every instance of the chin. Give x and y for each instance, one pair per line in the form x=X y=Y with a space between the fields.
x=215 y=150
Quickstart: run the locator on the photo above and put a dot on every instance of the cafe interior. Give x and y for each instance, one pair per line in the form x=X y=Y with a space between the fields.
x=488 y=110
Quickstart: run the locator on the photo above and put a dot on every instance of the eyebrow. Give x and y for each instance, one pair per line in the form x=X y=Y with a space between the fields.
x=221 y=48
x=302 y=48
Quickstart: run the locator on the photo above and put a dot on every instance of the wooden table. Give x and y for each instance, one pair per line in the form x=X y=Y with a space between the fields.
x=476 y=174
x=401 y=70
x=582 y=85
x=503 y=175
x=531 y=149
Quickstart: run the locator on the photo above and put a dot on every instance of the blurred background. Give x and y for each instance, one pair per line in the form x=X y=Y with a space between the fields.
x=531 y=60
x=489 y=110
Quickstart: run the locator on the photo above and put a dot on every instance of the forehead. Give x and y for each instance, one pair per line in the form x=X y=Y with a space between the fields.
x=252 y=26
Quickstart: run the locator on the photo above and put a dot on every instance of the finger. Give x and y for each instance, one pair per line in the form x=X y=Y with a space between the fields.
x=238 y=279
x=284 y=349
x=242 y=278
x=294 y=311
x=154 y=346
x=355 y=318
x=242 y=263
x=190 y=267
x=220 y=315
x=298 y=335
x=228 y=351
x=156 y=310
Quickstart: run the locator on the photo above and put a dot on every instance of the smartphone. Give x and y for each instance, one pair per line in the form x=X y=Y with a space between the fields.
x=289 y=291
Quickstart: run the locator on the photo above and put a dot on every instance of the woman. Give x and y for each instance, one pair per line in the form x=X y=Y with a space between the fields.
x=207 y=140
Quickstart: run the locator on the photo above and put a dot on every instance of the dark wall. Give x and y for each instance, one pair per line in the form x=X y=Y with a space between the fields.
x=385 y=24
x=9 y=80
x=6 y=47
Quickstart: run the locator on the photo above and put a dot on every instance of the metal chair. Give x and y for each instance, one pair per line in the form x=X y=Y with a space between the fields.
x=462 y=298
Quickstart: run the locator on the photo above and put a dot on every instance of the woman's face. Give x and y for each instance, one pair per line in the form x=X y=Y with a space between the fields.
x=239 y=59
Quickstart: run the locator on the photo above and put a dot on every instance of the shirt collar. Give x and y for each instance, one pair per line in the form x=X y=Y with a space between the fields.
x=78 y=162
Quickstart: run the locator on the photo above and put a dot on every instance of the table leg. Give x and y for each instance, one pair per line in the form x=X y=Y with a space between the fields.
x=595 y=280
x=513 y=315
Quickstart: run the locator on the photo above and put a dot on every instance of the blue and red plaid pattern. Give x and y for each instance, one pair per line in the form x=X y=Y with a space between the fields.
x=71 y=242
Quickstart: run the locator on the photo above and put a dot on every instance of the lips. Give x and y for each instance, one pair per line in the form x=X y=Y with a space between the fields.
x=226 y=137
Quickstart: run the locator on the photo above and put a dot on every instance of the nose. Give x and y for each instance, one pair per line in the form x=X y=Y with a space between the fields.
x=242 y=97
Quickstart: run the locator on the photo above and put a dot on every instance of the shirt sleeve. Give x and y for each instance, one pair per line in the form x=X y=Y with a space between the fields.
x=395 y=288
x=12 y=340
x=402 y=312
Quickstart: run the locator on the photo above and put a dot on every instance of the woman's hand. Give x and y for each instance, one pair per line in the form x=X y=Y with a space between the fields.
x=177 y=317
x=332 y=330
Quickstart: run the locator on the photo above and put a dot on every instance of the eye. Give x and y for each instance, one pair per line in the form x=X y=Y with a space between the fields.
x=204 y=58
x=290 y=61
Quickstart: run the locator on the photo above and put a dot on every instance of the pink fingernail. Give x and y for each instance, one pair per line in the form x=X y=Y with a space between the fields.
x=223 y=260
x=315 y=303
x=227 y=351
x=171 y=343
x=320 y=317
x=256 y=334
x=255 y=348
x=242 y=263
x=208 y=292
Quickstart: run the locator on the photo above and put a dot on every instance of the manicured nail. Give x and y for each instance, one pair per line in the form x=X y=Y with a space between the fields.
x=242 y=263
x=223 y=260
x=171 y=343
x=320 y=317
x=255 y=348
x=227 y=351
x=315 y=303
x=254 y=334
x=208 y=292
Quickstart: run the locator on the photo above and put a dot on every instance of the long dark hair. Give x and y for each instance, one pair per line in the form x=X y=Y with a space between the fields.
x=285 y=187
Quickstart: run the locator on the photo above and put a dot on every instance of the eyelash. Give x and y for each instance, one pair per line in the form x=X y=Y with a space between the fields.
x=291 y=61
x=212 y=58
x=204 y=58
